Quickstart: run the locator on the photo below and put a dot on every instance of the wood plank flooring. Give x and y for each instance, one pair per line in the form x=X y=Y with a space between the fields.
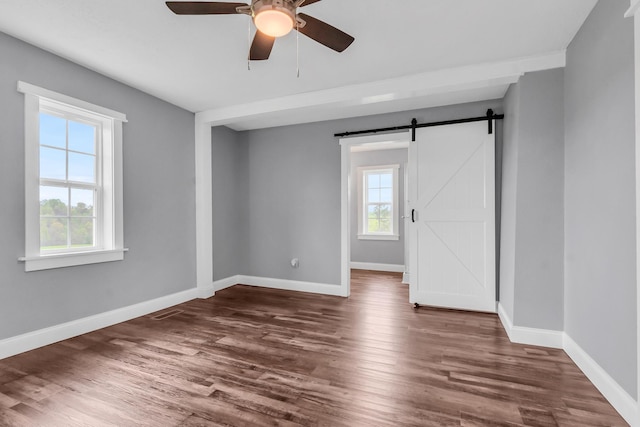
x=254 y=357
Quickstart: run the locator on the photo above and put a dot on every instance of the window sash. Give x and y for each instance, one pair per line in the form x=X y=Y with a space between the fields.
x=69 y=114
x=367 y=189
x=364 y=201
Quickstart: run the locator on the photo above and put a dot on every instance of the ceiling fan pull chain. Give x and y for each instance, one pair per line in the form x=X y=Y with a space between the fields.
x=298 y=49
x=249 y=44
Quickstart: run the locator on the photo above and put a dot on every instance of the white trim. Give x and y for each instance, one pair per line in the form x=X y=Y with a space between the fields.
x=610 y=389
x=227 y=282
x=531 y=336
x=46 y=262
x=206 y=292
x=345 y=220
x=399 y=139
x=32 y=340
x=374 y=266
x=204 y=207
x=633 y=9
x=29 y=89
x=292 y=285
x=379 y=146
x=284 y=284
x=406 y=278
x=378 y=237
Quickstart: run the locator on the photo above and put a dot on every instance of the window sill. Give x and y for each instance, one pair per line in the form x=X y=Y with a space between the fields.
x=378 y=237
x=47 y=262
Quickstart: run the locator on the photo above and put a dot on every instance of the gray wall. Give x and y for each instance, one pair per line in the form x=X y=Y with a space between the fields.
x=600 y=226
x=294 y=203
x=294 y=191
x=159 y=199
x=539 y=276
x=532 y=235
x=230 y=196
x=378 y=251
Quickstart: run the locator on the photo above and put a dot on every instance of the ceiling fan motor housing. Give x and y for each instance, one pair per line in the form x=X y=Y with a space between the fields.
x=284 y=6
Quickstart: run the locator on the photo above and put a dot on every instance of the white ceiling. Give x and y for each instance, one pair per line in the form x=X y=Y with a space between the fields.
x=407 y=54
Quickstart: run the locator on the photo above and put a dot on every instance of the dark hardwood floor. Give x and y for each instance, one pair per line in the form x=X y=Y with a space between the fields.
x=253 y=357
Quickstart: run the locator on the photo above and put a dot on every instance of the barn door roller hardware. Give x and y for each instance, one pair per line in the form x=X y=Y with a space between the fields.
x=489 y=117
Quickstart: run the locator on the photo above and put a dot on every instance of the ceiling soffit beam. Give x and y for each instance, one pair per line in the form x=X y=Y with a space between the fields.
x=633 y=9
x=391 y=90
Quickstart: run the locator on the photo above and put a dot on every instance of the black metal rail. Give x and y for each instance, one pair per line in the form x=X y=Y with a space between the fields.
x=489 y=117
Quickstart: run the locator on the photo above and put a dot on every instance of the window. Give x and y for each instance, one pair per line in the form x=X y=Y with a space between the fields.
x=73 y=181
x=378 y=202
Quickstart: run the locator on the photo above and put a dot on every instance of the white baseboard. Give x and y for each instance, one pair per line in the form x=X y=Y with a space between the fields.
x=610 y=389
x=225 y=283
x=292 y=285
x=394 y=268
x=405 y=278
x=531 y=336
x=40 y=338
x=205 y=292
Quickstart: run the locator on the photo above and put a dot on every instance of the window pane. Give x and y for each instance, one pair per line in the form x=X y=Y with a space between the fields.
x=82 y=167
x=373 y=212
x=386 y=180
x=53 y=233
x=82 y=232
x=82 y=202
x=385 y=226
x=53 y=201
x=373 y=225
x=53 y=163
x=373 y=196
x=373 y=180
x=385 y=211
x=386 y=195
x=53 y=131
x=82 y=137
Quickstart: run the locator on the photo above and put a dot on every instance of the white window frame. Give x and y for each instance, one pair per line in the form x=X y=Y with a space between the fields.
x=109 y=197
x=363 y=234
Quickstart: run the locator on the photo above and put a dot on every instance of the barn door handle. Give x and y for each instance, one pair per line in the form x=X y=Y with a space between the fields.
x=413 y=215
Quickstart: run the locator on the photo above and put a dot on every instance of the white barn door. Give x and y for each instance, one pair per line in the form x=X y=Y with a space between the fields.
x=452 y=197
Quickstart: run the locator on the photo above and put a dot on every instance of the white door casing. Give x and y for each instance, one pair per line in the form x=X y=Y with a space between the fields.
x=452 y=238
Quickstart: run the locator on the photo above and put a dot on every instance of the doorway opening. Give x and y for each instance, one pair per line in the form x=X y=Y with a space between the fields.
x=373 y=203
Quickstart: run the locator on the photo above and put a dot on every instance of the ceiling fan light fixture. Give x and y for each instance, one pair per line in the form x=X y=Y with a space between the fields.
x=274 y=22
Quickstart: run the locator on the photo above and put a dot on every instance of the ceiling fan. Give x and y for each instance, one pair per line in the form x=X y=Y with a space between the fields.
x=273 y=19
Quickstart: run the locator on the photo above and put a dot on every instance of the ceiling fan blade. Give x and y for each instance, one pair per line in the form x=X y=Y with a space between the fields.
x=325 y=34
x=261 y=46
x=203 y=7
x=308 y=2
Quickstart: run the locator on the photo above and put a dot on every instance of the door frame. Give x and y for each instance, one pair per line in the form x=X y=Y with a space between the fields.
x=398 y=138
